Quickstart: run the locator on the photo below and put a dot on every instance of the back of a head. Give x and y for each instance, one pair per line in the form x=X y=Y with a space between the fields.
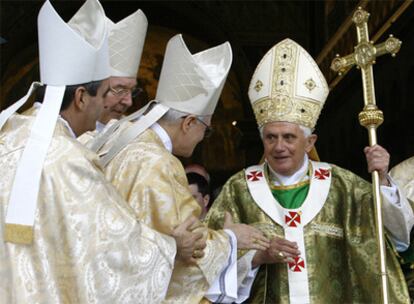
x=199 y=169
x=200 y=181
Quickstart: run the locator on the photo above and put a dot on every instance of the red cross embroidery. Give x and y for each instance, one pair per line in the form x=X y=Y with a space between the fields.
x=292 y=219
x=322 y=174
x=254 y=176
x=297 y=265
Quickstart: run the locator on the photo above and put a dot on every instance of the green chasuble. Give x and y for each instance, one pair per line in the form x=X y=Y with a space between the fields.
x=341 y=253
x=407 y=264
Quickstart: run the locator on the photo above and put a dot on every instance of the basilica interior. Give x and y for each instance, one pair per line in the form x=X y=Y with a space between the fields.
x=323 y=28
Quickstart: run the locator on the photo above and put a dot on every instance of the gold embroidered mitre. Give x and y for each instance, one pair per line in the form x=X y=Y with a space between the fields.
x=287 y=85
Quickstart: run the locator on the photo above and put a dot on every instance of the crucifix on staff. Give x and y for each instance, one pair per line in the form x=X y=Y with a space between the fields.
x=370 y=117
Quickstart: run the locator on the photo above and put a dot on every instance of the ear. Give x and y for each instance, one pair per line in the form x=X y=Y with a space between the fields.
x=81 y=98
x=187 y=122
x=310 y=142
x=206 y=200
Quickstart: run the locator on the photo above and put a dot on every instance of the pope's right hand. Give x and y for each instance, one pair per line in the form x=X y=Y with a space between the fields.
x=190 y=245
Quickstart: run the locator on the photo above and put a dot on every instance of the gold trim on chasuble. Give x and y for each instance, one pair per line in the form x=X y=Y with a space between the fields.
x=18 y=234
x=292 y=220
x=283 y=187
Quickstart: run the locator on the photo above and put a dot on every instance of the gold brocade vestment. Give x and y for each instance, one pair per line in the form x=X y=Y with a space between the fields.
x=88 y=246
x=153 y=182
x=403 y=175
x=340 y=244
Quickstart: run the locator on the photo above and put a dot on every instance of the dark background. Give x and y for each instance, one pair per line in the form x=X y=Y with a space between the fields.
x=252 y=28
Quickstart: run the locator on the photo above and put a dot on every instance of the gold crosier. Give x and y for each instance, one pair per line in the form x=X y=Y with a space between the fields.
x=370 y=117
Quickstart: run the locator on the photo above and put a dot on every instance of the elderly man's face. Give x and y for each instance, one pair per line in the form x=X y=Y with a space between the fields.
x=118 y=99
x=285 y=146
x=194 y=135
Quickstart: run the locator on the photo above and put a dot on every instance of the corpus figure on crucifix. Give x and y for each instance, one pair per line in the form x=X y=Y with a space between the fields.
x=319 y=217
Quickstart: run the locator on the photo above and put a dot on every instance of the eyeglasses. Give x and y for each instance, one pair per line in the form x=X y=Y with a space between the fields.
x=122 y=92
x=208 y=130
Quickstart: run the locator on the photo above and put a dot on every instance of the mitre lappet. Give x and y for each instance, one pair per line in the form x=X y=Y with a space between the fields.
x=69 y=54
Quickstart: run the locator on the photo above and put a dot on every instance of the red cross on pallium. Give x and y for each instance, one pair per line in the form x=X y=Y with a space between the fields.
x=322 y=174
x=297 y=265
x=254 y=176
x=292 y=218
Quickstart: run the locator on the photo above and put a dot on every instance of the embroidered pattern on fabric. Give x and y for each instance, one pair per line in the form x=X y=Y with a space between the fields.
x=322 y=174
x=328 y=229
x=292 y=219
x=255 y=176
x=297 y=265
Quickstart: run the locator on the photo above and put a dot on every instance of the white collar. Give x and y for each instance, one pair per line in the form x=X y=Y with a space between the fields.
x=99 y=126
x=163 y=135
x=38 y=105
x=298 y=176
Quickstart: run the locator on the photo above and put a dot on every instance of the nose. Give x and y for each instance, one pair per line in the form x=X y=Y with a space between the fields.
x=127 y=100
x=279 y=145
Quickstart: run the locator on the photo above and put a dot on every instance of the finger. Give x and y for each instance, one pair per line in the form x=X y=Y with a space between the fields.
x=197 y=254
x=293 y=252
x=196 y=224
x=201 y=255
x=200 y=245
x=196 y=236
x=288 y=260
x=191 y=261
x=284 y=242
x=258 y=246
x=260 y=237
x=261 y=243
x=190 y=221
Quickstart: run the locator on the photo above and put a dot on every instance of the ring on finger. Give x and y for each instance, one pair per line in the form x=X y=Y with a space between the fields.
x=281 y=254
x=197 y=253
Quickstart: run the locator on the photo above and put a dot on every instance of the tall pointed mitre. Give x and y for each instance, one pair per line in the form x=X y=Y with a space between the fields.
x=69 y=53
x=126 y=42
x=193 y=83
x=288 y=86
x=188 y=83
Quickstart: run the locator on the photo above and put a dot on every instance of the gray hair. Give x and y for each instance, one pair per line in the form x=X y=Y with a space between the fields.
x=306 y=131
x=173 y=115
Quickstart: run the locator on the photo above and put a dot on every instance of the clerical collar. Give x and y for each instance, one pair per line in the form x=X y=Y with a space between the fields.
x=163 y=135
x=38 y=105
x=295 y=178
x=99 y=126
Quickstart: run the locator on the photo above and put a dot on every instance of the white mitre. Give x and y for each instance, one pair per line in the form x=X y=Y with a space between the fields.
x=69 y=54
x=126 y=42
x=288 y=86
x=193 y=83
x=188 y=83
